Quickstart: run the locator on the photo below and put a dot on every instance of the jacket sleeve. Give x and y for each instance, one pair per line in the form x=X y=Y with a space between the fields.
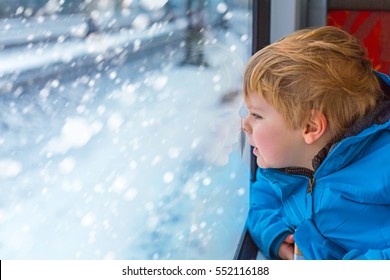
x=369 y=255
x=265 y=222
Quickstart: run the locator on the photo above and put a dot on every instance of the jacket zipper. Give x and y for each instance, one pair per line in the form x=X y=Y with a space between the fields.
x=309 y=174
x=309 y=198
x=312 y=182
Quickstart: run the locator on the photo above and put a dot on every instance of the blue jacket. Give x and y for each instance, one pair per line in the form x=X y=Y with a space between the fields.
x=341 y=211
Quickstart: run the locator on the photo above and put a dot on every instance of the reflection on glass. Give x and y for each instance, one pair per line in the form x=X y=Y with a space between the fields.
x=119 y=129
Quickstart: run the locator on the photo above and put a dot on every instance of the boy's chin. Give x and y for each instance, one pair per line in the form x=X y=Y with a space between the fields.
x=262 y=164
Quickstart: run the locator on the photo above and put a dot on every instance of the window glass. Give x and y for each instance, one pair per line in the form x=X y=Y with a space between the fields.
x=120 y=128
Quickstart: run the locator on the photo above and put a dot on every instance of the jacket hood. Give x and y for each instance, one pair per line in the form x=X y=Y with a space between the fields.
x=379 y=115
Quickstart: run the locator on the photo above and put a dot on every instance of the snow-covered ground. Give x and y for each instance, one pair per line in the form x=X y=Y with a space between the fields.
x=137 y=159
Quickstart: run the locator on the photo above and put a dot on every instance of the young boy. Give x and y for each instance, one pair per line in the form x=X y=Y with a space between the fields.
x=319 y=122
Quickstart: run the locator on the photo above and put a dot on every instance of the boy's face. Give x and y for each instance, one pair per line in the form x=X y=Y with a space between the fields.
x=275 y=145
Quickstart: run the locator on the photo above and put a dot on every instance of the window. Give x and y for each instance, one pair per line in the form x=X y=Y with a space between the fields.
x=120 y=129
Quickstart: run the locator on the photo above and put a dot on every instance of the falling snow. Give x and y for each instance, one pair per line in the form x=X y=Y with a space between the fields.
x=9 y=168
x=111 y=147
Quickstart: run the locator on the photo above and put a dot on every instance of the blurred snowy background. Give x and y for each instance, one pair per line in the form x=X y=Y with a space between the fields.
x=120 y=128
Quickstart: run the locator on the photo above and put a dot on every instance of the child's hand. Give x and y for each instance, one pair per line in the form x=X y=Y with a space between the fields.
x=286 y=249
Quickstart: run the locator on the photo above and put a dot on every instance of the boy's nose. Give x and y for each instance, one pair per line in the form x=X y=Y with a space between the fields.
x=245 y=125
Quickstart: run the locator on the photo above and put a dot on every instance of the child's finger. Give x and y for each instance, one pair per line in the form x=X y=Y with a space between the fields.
x=289 y=238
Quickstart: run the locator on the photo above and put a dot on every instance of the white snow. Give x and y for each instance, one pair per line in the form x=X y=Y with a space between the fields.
x=137 y=161
x=153 y=4
x=168 y=177
x=67 y=165
x=141 y=21
x=75 y=133
x=222 y=7
x=9 y=168
x=15 y=60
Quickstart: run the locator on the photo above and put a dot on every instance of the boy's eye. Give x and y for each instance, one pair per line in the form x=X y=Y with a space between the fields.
x=256 y=116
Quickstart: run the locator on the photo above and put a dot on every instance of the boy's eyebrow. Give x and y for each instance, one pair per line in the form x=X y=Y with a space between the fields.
x=251 y=107
x=254 y=108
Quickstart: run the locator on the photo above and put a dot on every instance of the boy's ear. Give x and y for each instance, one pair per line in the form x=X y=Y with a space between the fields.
x=316 y=126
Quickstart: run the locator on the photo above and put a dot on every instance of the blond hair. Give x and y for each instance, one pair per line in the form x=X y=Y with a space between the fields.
x=324 y=69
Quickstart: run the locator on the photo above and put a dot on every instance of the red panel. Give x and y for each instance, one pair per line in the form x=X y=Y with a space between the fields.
x=371 y=28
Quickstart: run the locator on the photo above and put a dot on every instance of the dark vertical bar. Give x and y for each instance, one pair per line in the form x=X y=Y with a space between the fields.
x=261 y=37
x=261 y=24
x=246 y=248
